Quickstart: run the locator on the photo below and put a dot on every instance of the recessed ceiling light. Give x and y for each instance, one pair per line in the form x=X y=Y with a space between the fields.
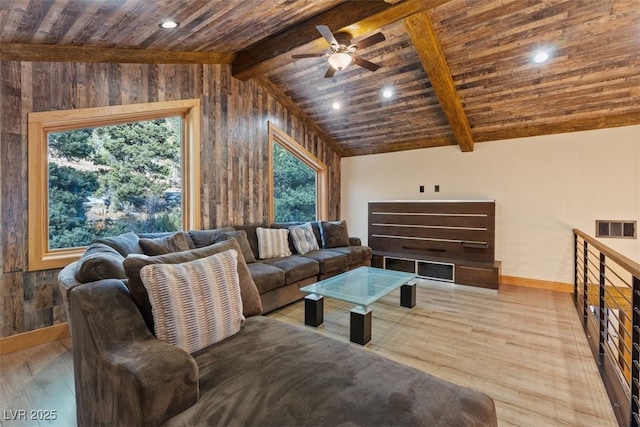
x=336 y=105
x=387 y=92
x=540 y=57
x=169 y=24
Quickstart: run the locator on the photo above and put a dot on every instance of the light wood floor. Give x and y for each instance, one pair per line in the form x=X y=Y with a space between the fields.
x=38 y=379
x=524 y=347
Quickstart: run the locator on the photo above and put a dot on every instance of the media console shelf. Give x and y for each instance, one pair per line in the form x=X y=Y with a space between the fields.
x=448 y=240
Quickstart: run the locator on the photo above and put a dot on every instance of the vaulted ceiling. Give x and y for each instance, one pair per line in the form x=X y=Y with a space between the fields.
x=460 y=71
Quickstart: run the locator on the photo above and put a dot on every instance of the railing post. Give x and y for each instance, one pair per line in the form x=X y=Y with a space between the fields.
x=635 y=355
x=602 y=314
x=575 y=268
x=585 y=278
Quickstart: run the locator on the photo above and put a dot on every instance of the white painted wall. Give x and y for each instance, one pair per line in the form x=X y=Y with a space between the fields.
x=543 y=187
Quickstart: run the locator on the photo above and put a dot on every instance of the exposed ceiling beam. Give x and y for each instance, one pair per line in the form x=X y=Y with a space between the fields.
x=573 y=125
x=433 y=61
x=403 y=146
x=355 y=17
x=296 y=111
x=54 y=53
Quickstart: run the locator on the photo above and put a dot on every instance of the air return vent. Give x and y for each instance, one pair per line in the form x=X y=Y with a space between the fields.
x=616 y=229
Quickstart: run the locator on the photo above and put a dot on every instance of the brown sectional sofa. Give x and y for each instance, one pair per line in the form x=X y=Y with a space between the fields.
x=278 y=279
x=268 y=373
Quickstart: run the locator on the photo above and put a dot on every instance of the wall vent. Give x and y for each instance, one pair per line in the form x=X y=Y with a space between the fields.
x=616 y=229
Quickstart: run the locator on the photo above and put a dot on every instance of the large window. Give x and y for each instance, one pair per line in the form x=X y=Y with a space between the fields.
x=103 y=171
x=298 y=180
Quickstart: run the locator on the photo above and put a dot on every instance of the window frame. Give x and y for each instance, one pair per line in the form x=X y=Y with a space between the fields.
x=41 y=123
x=278 y=136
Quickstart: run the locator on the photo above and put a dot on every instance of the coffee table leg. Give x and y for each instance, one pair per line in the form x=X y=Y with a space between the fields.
x=408 y=295
x=313 y=310
x=360 y=325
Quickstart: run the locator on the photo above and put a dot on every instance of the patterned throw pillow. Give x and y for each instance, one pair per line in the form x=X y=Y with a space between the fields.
x=303 y=238
x=196 y=303
x=273 y=242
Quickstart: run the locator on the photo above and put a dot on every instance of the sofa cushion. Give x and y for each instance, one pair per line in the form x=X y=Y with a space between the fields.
x=125 y=244
x=334 y=234
x=266 y=277
x=196 y=303
x=202 y=238
x=241 y=237
x=355 y=254
x=295 y=267
x=176 y=242
x=99 y=262
x=273 y=242
x=252 y=305
x=303 y=238
x=329 y=260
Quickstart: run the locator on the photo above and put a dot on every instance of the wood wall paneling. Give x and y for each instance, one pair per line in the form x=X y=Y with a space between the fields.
x=233 y=154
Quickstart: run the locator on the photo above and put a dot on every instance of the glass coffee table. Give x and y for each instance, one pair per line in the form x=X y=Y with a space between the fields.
x=362 y=287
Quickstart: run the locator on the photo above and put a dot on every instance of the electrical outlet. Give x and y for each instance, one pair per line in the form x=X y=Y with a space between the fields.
x=422 y=188
x=436 y=188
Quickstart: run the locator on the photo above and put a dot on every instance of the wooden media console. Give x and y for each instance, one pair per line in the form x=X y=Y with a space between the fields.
x=448 y=240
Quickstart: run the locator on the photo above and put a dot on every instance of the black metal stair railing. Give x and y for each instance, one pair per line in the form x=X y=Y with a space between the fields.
x=607 y=296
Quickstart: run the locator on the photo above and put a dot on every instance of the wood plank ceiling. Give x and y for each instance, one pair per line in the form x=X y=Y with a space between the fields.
x=460 y=71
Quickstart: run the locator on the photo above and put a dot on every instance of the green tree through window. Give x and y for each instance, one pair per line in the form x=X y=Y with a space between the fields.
x=294 y=187
x=115 y=178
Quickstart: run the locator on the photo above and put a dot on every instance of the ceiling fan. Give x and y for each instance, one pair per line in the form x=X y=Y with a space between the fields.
x=343 y=51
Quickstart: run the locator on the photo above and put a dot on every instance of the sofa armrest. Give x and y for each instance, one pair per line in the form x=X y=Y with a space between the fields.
x=355 y=241
x=123 y=374
x=66 y=282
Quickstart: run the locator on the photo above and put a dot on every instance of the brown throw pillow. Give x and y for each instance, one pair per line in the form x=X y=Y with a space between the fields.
x=334 y=234
x=241 y=237
x=251 y=302
x=99 y=262
x=180 y=241
x=202 y=238
x=125 y=244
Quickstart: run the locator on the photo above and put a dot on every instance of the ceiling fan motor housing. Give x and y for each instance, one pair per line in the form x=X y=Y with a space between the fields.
x=343 y=39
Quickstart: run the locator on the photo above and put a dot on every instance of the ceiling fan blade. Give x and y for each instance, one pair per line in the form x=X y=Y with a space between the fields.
x=330 y=72
x=327 y=34
x=369 y=41
x=309 y=55
x=366 y=64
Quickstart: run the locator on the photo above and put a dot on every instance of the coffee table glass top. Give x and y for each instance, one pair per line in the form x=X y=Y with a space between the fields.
x=362 y=286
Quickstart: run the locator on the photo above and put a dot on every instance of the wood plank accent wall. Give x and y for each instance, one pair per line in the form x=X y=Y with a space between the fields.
x=233 y=155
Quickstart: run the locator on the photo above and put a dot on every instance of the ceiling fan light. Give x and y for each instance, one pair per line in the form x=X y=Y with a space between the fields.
x=340 y=60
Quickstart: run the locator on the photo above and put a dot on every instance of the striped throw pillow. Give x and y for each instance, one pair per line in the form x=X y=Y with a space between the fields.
x=273 y=242
x=196 y=303
x=303 y=238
